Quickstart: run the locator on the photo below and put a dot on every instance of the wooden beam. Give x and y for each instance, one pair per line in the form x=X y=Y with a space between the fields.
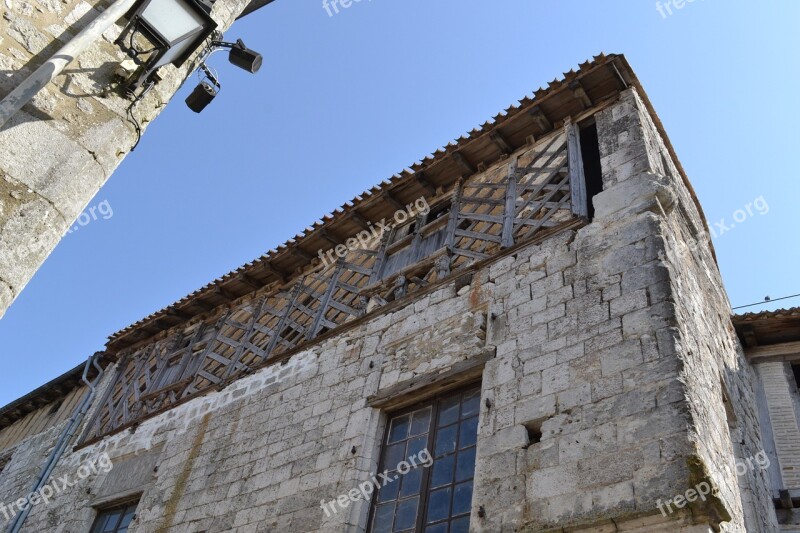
x=580 y=94
x=420 y=177
x=224 y=292
x=785 y=351
x=177 y=313
x=749 y=336
x=509 y=212
x=541 y=119
x=500 y=142
x=577 y=177
x=462 y=162
x=281 y=274
x=247 y=280
x=387 y=197
x=359 y=219
x=330 y=237
x=301 y=253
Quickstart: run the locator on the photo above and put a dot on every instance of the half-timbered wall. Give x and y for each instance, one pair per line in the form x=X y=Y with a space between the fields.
x=538 y=190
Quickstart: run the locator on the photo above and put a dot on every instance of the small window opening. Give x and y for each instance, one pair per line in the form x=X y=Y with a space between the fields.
x=534 y=432
x=438 y=212
x=592 y=169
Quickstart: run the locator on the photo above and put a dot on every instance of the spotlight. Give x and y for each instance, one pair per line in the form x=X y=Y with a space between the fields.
x=203 y=94
x=245 y=58
x=209 y=87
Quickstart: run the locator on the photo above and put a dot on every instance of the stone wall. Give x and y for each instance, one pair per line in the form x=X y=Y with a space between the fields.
x=602 y=358
x=57 y=153
x=708 y=352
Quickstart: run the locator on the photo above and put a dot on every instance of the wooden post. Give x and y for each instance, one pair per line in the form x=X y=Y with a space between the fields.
x=257 y=312
x=577 y=178
x=377 y=268
x=507 y=239
x=325 y=300
x=454 y=209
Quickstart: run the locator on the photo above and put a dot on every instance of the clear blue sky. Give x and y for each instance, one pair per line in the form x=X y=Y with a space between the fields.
x=344 y=102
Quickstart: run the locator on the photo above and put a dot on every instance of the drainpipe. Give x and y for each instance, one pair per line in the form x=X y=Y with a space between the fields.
x=46 y=73
x=69 y=431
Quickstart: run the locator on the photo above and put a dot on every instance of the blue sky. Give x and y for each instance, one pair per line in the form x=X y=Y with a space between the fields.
x=346 y=101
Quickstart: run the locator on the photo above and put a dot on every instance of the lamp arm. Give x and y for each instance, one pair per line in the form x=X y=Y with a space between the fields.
x=222 y=44
x=210 y=75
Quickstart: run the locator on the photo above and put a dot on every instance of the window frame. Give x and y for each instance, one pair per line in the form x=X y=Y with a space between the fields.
x=425 y=489
x=124 y=506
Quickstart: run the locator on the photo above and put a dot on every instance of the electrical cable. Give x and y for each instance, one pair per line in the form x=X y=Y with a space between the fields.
x=767 y=301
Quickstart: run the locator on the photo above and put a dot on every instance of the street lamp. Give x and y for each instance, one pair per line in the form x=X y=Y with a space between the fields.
x=164 y=32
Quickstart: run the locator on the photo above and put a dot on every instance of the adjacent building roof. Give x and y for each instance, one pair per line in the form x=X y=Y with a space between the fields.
x=768 y=327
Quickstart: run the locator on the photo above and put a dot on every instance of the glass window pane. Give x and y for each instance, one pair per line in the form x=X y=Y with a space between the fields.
x=388 y=492
x=439 y=505
x=112 y=519
x=471 y=403
x=395 y=454
x=442 y=471
x=415 y=446
x=411 y=483
x=384 y=515
x=460 y=526
x=438 y=528
x=448 y=411
x=462 y=498
x=128 y=518
x=445 y=441
x=468 y=434
x=406 y=514
x=466 y=465
x=399 y=429
x=421 y=421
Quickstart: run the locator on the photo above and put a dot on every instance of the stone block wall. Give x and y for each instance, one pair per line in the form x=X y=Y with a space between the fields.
x=602 y=356
x=59 y=150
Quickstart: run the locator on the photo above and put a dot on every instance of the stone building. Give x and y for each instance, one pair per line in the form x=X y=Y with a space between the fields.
x=526 y=331
x=57 y=151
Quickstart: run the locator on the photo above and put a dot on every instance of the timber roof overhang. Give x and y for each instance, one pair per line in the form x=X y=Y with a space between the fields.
x=595 y=82
x=50 y=392
x=768 y=327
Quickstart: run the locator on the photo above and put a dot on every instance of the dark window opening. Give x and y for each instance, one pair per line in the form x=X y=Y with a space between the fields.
x=796 y=373
x=438 y=212
x=115 y=519
x=436 y=497
x=590 y=150
x=534 y=432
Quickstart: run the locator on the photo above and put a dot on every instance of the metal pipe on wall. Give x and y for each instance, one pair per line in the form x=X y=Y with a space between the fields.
x=30 y=87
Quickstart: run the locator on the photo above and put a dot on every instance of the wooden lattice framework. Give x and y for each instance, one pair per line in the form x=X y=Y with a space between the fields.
x=490 y=211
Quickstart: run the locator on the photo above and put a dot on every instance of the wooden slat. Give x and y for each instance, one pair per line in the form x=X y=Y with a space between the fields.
x=577 y=178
